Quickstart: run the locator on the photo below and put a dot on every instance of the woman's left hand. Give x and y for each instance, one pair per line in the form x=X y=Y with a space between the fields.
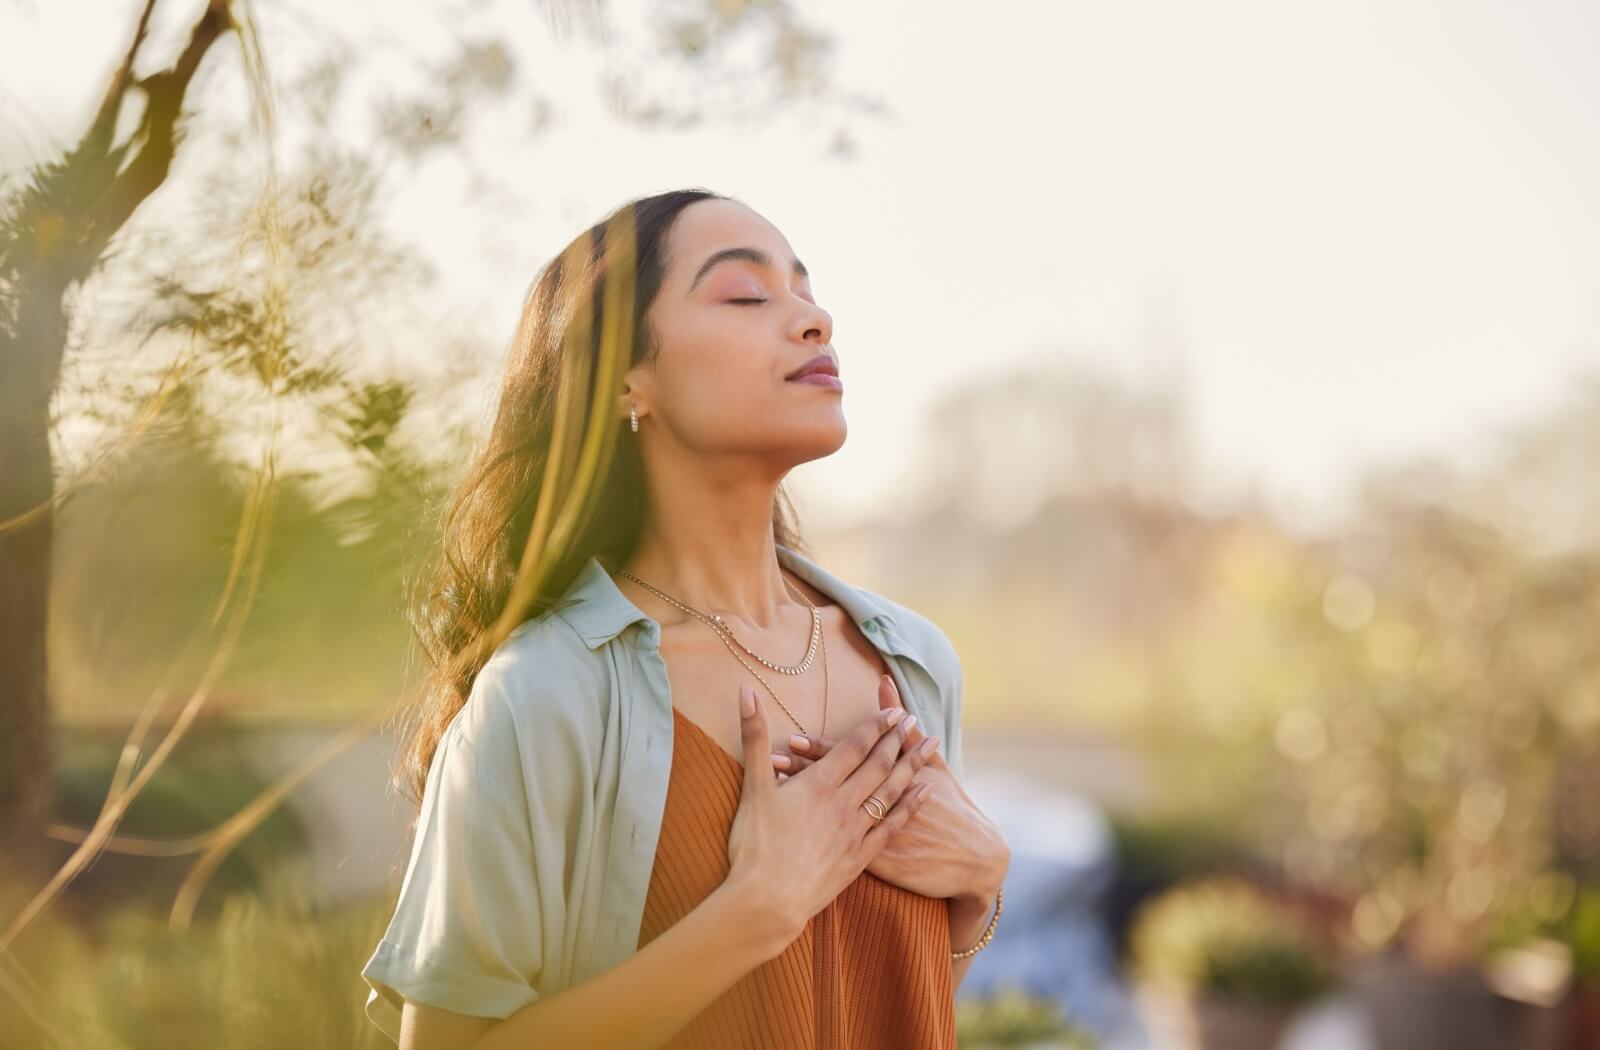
x=948 y=848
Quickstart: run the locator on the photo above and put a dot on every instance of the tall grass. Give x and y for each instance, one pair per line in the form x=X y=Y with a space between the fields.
x=271 y=969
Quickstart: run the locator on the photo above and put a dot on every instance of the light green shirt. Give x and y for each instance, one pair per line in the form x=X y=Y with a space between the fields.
x=542 y=808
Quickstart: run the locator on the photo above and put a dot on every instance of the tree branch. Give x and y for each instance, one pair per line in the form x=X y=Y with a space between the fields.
x=158 y=129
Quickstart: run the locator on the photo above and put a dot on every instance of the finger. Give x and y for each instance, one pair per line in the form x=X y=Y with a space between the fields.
x=889 y=696
x=888 y=693
x=916 y=738
x=812 y=747
x=753 y=733
x=902 y=811
x=900 y=777
x=879 y=764
x=849 y=753
x=790 y=764
x=934 y=754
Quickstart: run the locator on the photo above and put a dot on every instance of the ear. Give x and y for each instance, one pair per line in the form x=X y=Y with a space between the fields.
x=625 y=401
x=637 y=387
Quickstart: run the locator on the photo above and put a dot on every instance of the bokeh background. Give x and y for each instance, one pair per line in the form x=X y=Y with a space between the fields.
x=1224 y=379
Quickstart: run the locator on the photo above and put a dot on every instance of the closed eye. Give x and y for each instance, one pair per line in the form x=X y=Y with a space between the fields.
x=746 y=300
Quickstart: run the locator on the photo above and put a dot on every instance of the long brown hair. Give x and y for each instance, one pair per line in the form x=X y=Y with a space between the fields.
x=553 y=485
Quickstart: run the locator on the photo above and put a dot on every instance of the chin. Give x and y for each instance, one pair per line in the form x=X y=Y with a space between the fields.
x=818 y=441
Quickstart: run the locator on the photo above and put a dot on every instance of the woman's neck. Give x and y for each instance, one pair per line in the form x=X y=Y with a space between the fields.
x=715 y=552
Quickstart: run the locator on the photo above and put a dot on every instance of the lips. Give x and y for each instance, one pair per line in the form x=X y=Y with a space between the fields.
x=822 y=364
x=822 y=379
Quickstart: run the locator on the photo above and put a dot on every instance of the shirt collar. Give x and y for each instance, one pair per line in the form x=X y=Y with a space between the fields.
x=598 y=610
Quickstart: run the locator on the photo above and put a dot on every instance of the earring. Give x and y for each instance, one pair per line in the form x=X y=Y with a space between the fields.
x=633 y=418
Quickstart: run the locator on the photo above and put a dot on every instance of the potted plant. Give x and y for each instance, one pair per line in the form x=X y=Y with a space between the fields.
x=1220 y=963
x=1554 y=961
x=1429 y=758
x=1583 y=935
x=1514 y=979
x=1015 y=1018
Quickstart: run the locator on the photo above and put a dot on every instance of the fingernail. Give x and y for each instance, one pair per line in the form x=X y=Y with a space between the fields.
x=922 y=792
x=929 y=744
x=798 y=743
x=781 y=761
x=911 y=720
x=895 y=714
x=782 y=777
x=747 y=701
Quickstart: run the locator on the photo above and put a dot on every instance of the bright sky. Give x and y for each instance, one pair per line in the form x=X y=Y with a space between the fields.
x=1368 y=229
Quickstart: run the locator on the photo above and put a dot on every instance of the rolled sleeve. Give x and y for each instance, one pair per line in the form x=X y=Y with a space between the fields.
x=467 y=933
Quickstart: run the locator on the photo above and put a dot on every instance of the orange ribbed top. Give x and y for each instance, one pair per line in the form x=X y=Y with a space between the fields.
x=871 y=971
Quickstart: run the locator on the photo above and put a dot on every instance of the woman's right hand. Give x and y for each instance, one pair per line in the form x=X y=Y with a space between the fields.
x=796 y=844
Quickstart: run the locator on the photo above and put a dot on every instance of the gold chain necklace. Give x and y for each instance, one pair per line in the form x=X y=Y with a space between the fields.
x=803 y=665
x=722 y=625
x=818 y=640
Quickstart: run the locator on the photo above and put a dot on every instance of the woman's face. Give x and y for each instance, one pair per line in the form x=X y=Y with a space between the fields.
x=731 y=329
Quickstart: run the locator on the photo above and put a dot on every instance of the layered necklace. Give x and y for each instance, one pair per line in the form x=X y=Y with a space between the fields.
x=819 y=643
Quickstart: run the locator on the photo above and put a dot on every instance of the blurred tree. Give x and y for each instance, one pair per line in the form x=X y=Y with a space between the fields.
x=259 y=291
x=1000 y=449
x=53 y=233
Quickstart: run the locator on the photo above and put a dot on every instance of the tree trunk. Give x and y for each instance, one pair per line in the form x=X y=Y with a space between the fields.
x=57 y=228
x=29 y=366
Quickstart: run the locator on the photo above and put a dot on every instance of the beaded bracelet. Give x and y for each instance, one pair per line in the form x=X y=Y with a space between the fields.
x=983 y=942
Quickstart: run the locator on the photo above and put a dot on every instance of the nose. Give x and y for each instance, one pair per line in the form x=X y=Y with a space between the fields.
x=815 y=324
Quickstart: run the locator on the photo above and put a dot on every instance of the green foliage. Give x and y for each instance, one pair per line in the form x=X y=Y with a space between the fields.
x=1582 y=931
x=1223 y=935
x=1402 y=716
x=1577 y=926
x=1013 y=1018
x=207 y=779
x=1169 y=847
x=147 y=551
x=315 y=983
x=272 y=970
x=1157 y=850
x=1402 y=712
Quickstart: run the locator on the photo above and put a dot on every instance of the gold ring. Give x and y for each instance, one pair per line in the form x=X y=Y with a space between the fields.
x=877 y=813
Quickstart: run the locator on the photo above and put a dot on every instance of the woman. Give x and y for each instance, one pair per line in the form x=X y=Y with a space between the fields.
x=639 y=824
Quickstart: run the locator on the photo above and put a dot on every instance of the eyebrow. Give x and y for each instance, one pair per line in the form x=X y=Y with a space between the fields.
x=754 y=255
